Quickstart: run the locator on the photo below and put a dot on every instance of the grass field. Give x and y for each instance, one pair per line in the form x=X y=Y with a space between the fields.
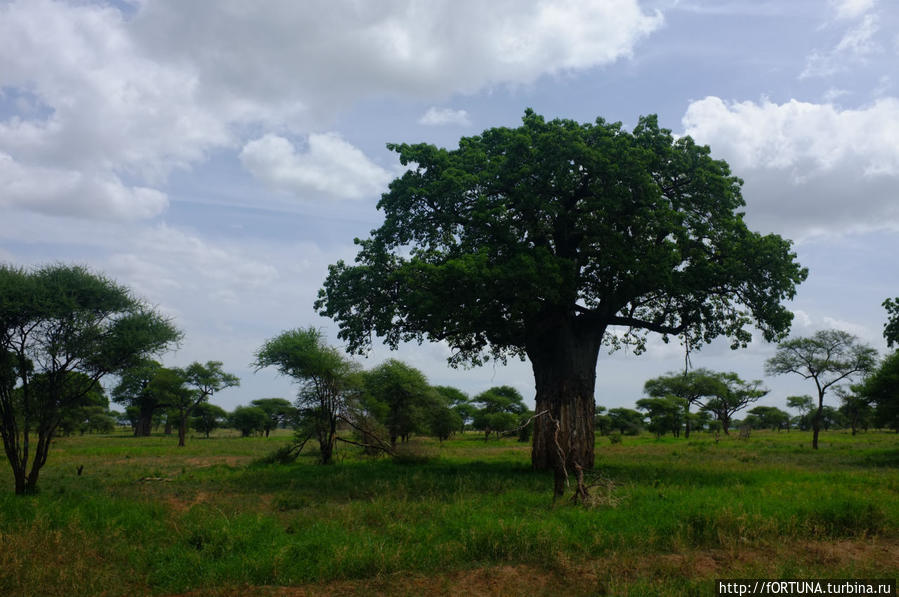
x=671 y=515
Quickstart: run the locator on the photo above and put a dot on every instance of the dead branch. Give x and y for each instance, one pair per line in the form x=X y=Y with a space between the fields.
x=523 y=425
x=362 y=445
x=378 y=445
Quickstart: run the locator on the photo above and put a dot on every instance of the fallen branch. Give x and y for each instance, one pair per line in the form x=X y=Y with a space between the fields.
x=362 y=445
x=366 y=433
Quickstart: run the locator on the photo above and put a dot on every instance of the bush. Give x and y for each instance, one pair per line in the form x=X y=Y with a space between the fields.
x=248 y=420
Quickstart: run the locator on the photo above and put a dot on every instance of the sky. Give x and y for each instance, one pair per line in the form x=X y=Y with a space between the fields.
x=217 y=156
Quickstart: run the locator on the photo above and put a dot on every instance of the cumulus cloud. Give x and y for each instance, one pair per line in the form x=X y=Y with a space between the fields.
x=58 y=191
x=328 y=53
x=809 y=168
x=110 y=103
x=93 y=110
x=330 y=166
x=441 y=116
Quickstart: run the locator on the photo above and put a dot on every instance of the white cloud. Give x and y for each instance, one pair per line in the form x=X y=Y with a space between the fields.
x=328 y=53
x=440 y=116
x=330 y=166
x=808 y=167
x=855 y=46
x=59 y=191
x=107 y=112
x=851 y=9
x=853 y=328
x=111 y=103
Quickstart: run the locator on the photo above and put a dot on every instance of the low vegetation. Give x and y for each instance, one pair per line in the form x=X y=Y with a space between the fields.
x=221 y=517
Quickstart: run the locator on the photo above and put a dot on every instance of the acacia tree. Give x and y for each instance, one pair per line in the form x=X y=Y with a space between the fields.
x=828 y=358
x=501 y=409
x=277 y=411
x=208 y=417
x=133 y=390
x=733 y=396
x=665 y=413
x=198 y=383
x=771 y=417
x=458 y=401
x=399 y=397
x=534 y=241
x=62 y=330
x=626 y=420
x=691 y=387
x=325 y=377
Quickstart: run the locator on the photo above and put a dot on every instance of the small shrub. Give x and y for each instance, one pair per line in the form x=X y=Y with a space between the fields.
x=615 y=438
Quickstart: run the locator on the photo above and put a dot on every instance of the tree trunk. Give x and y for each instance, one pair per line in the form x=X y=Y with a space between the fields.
x=687 y=423
x=816 y=420
x=182 y=431
x=326 y=446
x=564 y=363
x=144 y=421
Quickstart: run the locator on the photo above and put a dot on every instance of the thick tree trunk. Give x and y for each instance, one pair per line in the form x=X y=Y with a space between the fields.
x=564 y=363
x=144 y=421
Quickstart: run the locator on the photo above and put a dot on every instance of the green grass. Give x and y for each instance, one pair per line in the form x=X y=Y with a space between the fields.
x=149 y=518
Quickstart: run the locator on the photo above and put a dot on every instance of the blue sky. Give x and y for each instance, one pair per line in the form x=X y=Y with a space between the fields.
x=217 y=156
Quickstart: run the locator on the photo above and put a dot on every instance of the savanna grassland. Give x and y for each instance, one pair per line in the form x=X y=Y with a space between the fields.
x=462 y=517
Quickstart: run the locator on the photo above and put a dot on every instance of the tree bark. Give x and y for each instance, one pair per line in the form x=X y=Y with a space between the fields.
x=564 y=363
x=687 y=423
x=144 y=420
x=816 y=420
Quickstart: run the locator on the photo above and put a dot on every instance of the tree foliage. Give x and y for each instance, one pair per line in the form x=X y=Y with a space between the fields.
x=459 y=403
x=532 y=241
x=770 y=417
x=134 y=391
x=626 y=421
x=326 y=379
x=399 y=397
x=500 y=409
x=248 y=420
x=55 y=322
x=691 y=387
x=735 y=394
x=891 y=327
x=882 y=389
x=208 y=417
x=828 y=357
x=277 y=410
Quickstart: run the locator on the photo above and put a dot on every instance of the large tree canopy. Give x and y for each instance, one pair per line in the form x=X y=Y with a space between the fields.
x=532 y=241
x=62 y=329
